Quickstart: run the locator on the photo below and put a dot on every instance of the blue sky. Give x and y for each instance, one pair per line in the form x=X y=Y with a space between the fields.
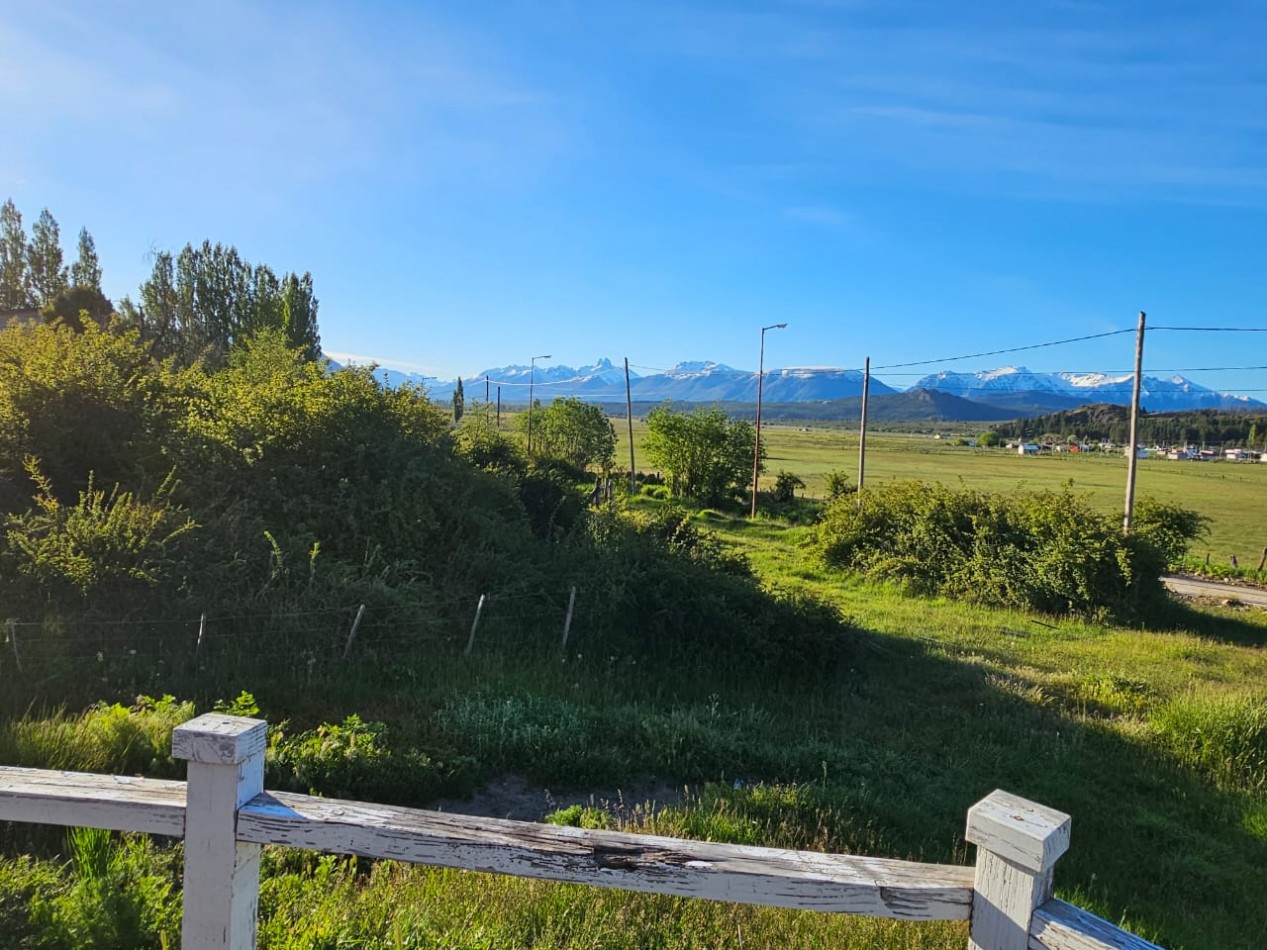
x=472 y=184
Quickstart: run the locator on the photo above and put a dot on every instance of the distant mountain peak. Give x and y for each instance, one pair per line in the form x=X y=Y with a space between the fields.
x=687 y=367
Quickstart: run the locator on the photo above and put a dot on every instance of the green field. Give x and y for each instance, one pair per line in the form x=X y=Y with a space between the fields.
x=1232 y=495
x=1152 y=735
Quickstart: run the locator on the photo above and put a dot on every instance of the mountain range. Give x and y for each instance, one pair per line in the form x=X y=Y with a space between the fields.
x=999 y=393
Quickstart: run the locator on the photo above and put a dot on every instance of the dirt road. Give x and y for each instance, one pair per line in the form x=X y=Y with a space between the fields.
x=1197 y=587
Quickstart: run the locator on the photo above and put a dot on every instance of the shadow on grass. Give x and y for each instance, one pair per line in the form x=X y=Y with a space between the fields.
x=1243 y=627
x=897 y=741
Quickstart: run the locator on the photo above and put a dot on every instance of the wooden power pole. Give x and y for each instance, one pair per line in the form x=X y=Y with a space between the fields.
x=1132 y=450
x=629 y=417
x=862 y=430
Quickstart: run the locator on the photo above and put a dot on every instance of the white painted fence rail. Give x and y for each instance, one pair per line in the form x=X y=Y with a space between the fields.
x=224 y=815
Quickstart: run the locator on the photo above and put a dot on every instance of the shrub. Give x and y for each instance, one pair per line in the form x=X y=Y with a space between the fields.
x=1048 y=551
x=785 y=486
x=837 y=485
x=355 y=759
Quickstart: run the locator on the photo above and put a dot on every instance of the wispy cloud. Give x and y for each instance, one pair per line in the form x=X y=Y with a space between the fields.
x=279 y=94
x=1065 y=92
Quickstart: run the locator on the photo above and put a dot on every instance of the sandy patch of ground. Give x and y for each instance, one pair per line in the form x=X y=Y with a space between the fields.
x=513 y=796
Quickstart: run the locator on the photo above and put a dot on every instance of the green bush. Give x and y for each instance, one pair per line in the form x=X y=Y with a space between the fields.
x=661 y=585
x=108 y=738
x=1047 y=551
x=785 y=486
x=116 y=893
x=837 y=485
x=355 y=759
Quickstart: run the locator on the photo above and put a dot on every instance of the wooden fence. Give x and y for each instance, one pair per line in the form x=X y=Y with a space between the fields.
x=224 y=815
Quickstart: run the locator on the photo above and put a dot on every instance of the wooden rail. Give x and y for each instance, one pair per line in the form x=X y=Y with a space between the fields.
x=224 y=815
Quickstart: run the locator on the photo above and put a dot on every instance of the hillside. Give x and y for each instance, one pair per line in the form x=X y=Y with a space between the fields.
x=1103 y=421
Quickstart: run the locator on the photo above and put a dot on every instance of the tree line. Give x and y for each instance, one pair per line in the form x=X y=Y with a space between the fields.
x=1110 y=423
x=196 y=305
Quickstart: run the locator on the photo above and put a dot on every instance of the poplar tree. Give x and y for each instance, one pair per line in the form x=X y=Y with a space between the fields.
x=86 y=271
x=208 y=300
x=45 y=267
x=459 y=401
x=15 y=281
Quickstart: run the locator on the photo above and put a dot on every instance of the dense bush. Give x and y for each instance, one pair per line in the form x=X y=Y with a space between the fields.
x=660 y=585
x=1048 y=551
x=276 y=488
x=356 y=759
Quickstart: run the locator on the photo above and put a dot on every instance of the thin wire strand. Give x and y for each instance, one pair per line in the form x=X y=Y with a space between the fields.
x=1011 y=349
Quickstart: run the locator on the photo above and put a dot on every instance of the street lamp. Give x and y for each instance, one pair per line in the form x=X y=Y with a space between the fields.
x=532 y=378
x=756 y=448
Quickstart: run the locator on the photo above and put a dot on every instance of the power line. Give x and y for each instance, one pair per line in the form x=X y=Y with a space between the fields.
x=1213 y=329
x=1012 y=349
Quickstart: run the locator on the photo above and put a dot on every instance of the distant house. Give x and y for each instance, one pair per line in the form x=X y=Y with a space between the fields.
x=1027 y=448
x=1141 y=451
x=1238 y=455
x=1180 y=455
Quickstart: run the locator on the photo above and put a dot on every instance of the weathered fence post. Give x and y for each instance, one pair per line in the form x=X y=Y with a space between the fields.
x=567 y=621
x=1018 y=843
x=222 y=876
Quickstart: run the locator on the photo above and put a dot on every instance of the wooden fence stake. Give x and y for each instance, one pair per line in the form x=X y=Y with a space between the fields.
x=12 y=624
x=567 y=621
x=479 y=609
x=360 y=612
x=1261 y=562
x=1018 y=843
x=1233 y=561
x=222 y=875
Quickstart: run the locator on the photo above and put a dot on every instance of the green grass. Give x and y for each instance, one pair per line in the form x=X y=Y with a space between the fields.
x=1154 y=740
x=1230 y=494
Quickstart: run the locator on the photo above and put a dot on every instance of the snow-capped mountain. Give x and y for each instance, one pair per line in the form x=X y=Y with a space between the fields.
x=1008 y=390
x=688 y=381
x=1008 y=386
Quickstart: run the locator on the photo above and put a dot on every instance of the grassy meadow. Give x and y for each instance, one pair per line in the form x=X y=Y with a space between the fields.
x=1232 y=495
x=1153 y=738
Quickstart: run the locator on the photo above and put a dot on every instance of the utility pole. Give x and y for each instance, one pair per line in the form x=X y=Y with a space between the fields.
x=756 y=446
x=862 y=432
x=532 y=378
x=499 y=408
x=486 y=389
x=1133 y=449
x=629 y=416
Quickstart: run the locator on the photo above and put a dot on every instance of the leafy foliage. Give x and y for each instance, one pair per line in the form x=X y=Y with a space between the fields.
x=106 y=538
x=706 y=455
x=836 y=485
x=1048 y=551
x=89 y=401
x=785 y=486
x=355 y=759
x=207 y=300
x=572 y=431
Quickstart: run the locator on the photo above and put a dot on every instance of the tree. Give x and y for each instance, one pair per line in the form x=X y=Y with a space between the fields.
x=208 y=300
x=86 y=271
x=989 y=439
x=577 y=432
x=47 y=272
x=72 y=304
x=706 y=454
x=459 y=401
x=15 y=280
